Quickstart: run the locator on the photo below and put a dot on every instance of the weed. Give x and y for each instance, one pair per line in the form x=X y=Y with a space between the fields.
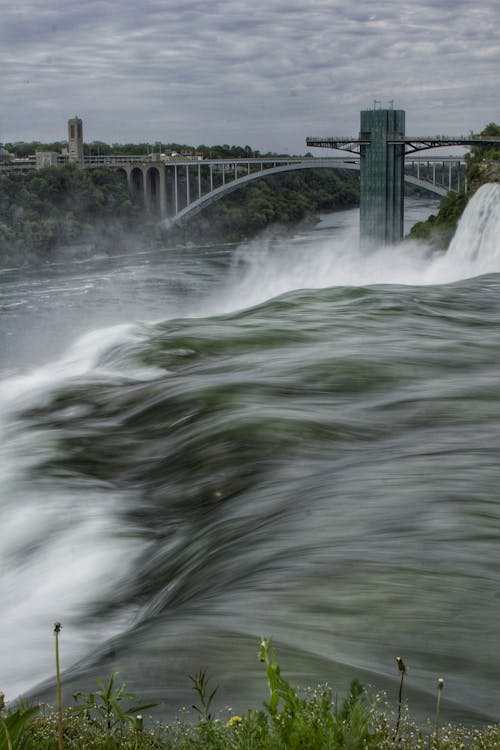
x=279 y=688
x=402 y=672
x=313 y=722
x=438 y=706
x=200 y=686
x=104 y=707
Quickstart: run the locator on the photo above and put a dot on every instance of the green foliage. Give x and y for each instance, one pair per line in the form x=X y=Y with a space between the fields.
x=279 y=688
x=22 y=149
x=79 y=734
x=57 y=207
x=483 y=153
x=292 y=720
x=200 y=686
x=313 y=721
x=13 y=727
x=104 y=707
x=439 y=229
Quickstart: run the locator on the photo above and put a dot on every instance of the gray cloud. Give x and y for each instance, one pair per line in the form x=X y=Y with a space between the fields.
x=222 y=72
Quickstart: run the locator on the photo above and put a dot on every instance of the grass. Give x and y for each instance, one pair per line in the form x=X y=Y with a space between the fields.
x=291 y=719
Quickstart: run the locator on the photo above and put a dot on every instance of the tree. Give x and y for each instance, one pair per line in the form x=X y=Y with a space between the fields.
x=52 y=208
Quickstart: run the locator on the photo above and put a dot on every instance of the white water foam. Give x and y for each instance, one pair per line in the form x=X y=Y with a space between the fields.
x=268 y=267
x=59 y=548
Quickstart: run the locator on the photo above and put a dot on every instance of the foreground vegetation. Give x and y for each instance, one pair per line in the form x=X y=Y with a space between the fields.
x=483 y=165
x=290 y=720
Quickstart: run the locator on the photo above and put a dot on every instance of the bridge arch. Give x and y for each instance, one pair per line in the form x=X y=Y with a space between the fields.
x=136 y=184
x=123 y=174
x=217 y=193
x=214 y=195
x=152 y=192
x=426 y=185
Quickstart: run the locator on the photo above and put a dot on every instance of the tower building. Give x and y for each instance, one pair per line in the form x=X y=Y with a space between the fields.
x=75 y=140
x=382 y=175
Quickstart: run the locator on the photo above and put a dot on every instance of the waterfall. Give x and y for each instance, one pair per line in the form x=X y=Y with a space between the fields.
x=477 y=239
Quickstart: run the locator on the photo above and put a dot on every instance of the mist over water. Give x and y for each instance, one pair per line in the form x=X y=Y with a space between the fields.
x=273 y=267
x=287 y=438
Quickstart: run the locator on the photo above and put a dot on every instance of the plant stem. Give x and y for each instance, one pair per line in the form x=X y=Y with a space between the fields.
x=7 y=735
x=402 y=672
x=60 y=744
x=438 y=706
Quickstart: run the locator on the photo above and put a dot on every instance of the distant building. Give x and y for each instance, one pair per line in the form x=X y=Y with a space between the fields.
x=48 y=159
x=75 y=140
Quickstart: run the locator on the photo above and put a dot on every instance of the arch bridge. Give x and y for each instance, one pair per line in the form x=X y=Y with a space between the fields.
x=176 y=190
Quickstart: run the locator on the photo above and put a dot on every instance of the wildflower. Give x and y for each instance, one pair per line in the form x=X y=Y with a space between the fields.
x=234 y=721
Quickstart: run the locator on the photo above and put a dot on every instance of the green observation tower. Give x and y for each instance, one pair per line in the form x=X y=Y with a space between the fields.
x=382 y=156
x=382 y=146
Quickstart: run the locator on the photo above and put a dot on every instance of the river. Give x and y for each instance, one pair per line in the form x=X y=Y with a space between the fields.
x=286 y=438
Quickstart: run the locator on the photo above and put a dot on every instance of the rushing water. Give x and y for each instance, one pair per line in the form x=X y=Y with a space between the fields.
x=286 y=438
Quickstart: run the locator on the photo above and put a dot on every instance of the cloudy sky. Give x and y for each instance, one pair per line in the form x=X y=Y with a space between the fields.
x=266 y=73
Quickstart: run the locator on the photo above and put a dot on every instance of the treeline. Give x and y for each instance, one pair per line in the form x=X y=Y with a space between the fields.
x=63 y=210
x=285 y=199
x=483 y=165
x=22 y=149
